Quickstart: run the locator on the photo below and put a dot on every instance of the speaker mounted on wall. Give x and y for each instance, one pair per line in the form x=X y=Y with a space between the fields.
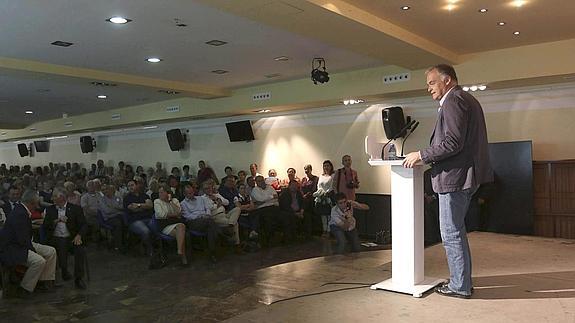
x=176 y=139
x=23 y=150
x=87 y=144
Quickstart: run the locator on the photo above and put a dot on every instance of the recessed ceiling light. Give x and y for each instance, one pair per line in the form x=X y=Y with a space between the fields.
x=281 y=58
x=220 y=71
x=516 y=33
x=169 y=91
x=216 y=42
x=263 y=111
x=518 y=3
x=96 y=83
x=483 y=10
x=118 y=20
x=102 y=97
x=466 y=88
x=153 y=60
x=501 y=23
x=450 y=7
x=473 y=88
x=62 y=43
x=352 y=101
x=405 y=8
x=270 y=76
x=482 y=87
x=29 y=112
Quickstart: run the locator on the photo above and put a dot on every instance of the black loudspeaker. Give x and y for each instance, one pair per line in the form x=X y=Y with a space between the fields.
x=393 y=122
x=87 y=144
x=23 y=150
x=176 y=139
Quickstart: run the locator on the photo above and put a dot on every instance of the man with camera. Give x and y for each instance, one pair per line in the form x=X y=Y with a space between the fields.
x=342 y=222
x=346 y=179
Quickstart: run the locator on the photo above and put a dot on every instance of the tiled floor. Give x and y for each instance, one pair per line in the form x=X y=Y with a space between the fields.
x=122 y=289
x=516 y=278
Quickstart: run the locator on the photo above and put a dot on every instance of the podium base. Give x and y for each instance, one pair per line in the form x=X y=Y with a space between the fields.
x=416 y=290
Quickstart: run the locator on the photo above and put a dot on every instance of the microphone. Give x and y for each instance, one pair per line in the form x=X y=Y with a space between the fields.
x=410 y=132
x=406 y=127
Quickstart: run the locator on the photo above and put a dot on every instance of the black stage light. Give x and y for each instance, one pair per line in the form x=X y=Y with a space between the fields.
x=318 y=72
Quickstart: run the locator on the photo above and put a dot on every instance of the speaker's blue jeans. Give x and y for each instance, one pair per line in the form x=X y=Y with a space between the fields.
x=452 y=210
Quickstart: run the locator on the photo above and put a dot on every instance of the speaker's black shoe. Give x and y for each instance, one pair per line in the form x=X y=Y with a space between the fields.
x=445 y=291
x=447 y=283
x=80 y=284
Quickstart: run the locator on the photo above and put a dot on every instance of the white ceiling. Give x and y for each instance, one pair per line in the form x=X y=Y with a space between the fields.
x=350 y=34
x=29 y=26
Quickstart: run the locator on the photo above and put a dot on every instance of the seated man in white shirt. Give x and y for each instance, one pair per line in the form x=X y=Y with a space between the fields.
x=267 y=210
x=217 y=204
x=342 y=222
x=198 y=216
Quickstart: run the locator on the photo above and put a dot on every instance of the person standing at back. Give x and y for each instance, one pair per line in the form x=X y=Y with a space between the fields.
x=459 y=158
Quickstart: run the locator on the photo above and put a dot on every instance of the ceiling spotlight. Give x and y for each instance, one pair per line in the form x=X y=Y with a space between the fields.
x=264 y=111
x=216 y=42
x=482 y=87
x=29 y=112
x=169 y=92
x=62 y=43
x=153 y=60
x=473 y=88
x=516 y=33
x=102 y=97
x=405 y=8
x=118 y=20
x=318 y=72
x=465 y=88
x=483 y=10
x=501 y=23
x=353 y=101
x=518 y=3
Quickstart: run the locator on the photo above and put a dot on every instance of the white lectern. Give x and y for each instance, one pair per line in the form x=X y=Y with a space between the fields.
x=407 y=267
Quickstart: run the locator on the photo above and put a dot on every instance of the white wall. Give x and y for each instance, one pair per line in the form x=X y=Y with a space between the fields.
x=542 y=114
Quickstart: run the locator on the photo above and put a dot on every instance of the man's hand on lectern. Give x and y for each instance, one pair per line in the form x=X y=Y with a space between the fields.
x=411 y=159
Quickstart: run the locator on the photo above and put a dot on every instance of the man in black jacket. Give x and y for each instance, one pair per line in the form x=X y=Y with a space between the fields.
x=17 y=248
x=65 y=228
x=12 y=200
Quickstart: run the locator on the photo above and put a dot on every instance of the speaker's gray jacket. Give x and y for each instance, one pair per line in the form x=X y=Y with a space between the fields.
x=458 y=151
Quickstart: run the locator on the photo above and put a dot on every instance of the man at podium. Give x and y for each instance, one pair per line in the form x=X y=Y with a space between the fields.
x=459 y=159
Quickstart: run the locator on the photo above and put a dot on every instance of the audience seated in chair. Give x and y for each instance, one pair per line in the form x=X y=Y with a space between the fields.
x=17 y=248
x=111 y=208
x=267 y=209
x=198 y=217
x=139 y=209
x=168 y=213
x=66 y=229
x=225 y=214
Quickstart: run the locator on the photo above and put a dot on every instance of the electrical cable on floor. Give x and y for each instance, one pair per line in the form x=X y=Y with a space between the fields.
x=347 y=283
x=318 y=293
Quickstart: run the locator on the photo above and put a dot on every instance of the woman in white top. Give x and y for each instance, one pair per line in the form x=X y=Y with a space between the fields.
x=168 y=216
x=324 y=194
